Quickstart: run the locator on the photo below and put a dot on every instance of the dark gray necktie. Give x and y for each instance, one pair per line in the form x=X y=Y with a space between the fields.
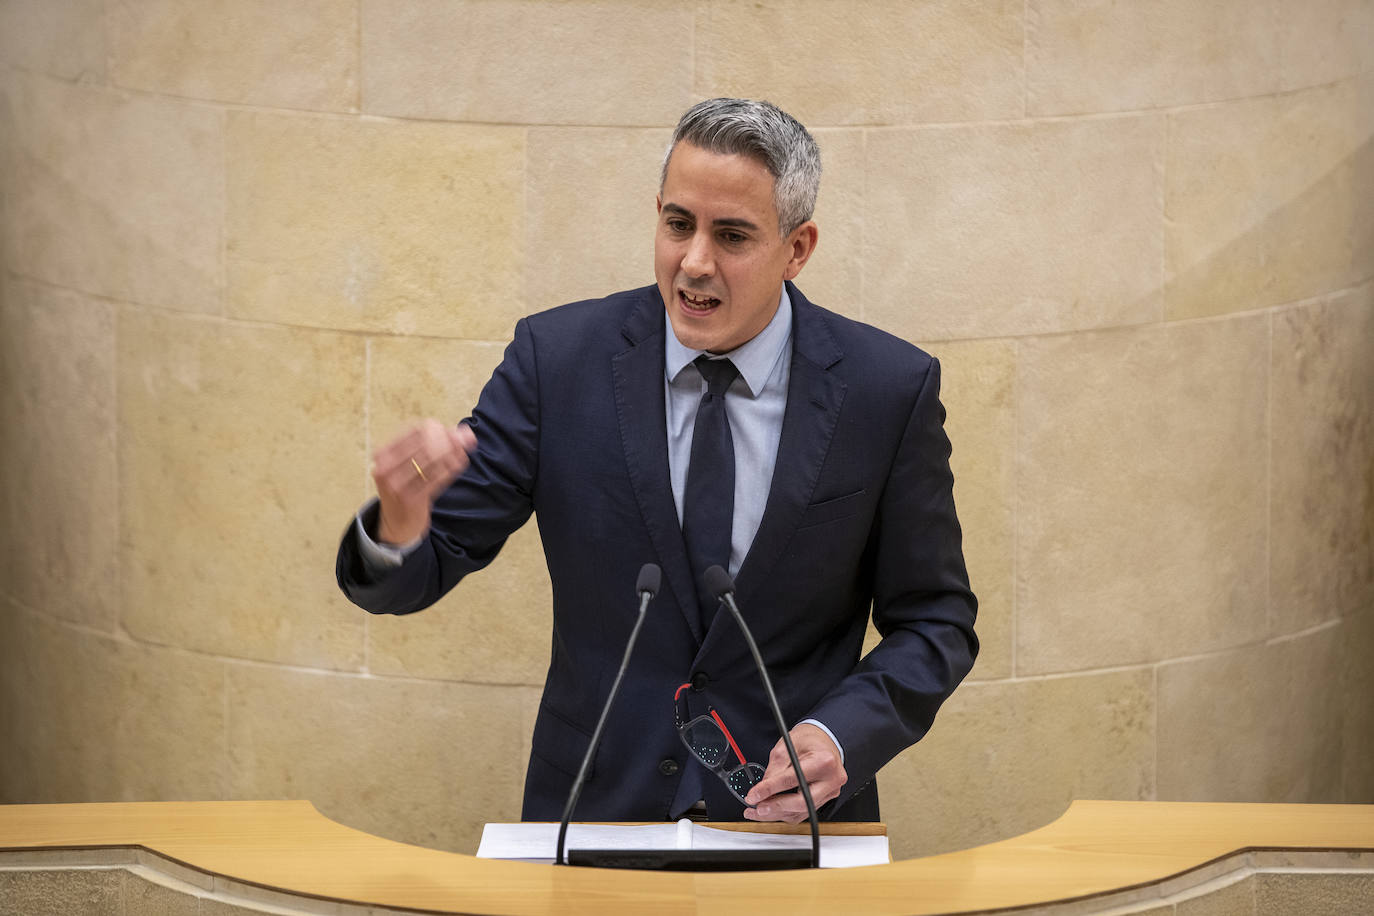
x=708 y=505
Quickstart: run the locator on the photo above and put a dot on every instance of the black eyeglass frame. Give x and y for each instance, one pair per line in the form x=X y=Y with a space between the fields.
x=746 y=774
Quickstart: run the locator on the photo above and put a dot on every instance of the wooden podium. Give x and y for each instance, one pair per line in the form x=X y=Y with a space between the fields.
x=285 y=856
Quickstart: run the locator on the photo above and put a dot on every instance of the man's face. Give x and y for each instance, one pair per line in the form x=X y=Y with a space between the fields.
x=718 y=258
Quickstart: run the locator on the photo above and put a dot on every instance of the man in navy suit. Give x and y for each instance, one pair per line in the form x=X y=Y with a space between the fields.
x=832 y=498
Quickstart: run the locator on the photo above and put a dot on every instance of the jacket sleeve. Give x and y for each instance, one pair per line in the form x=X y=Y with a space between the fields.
x=923 y=607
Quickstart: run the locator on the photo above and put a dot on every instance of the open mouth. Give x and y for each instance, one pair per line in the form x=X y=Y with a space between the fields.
x=699 y=304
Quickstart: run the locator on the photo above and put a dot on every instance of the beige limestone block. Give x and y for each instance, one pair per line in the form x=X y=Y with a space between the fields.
x=91 y=718
x=588 y=62
x=829 y=62
x=66 y=40
x=1263 y=199
x=1322 y=460
x=977 y=379
x=62 y=892
x=494 y=626
x=1323 y=41
x=1234 y=899
x=1357 y=688
x=422 y=762
x=1332 y=894
x=1007 y=757
x=1013 y=229
x=375 y=225
x=1091 y=55
x=589 y=211
x=1141 y=522
x=833 y=278
x=115 y=194
x=1257 y=724
x=411 y=378
x=58 y=480
x=302 y=54
x=240 y=455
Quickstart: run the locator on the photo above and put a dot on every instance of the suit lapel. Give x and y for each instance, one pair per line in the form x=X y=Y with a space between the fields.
x=638 y=373
x=814 y=397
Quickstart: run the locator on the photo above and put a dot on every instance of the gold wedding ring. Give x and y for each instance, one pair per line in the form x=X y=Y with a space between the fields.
x=418 y=470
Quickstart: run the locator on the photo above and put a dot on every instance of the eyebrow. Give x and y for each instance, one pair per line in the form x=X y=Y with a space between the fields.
x=726 y=223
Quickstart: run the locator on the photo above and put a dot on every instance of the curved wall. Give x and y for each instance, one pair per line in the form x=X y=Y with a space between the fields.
x=243 y=243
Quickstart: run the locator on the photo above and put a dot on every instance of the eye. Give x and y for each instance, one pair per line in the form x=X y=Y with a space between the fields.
x=677 y=224
x=731 y=237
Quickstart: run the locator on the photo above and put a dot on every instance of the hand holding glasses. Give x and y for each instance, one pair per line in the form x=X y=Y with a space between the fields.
x=711 y=743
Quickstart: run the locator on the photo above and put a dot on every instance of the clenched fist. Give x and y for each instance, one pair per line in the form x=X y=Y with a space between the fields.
x=411 y=471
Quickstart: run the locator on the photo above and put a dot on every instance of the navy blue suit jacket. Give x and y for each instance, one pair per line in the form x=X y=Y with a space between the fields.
x=860 y=515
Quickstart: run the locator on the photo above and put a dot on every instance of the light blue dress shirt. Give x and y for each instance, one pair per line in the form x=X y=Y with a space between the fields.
x=754 y=403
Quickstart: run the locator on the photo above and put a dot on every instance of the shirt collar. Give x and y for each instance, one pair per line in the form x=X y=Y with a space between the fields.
x=754 y=359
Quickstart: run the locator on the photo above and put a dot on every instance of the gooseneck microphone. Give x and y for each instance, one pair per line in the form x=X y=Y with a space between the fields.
x=650 y=576
x=723 y=588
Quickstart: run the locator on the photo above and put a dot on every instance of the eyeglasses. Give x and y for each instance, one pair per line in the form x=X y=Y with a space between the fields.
x=711 y=743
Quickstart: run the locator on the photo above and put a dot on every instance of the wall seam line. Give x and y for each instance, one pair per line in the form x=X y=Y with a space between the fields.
x=1154 y=738
x=117 y=316
x=230 y=662
x=379 y=333
x=1025 y=59
x=863 y=226
x=1017 y=394
x=1270 y=612
x=367 y=454
x=226 y=778
x=358 y=58
x=224 y=223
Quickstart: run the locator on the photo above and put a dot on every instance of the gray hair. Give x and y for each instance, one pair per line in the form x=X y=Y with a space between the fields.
x=764 y=132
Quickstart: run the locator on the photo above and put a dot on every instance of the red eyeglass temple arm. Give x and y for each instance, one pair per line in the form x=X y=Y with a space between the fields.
x=729 y=737
x=725 y=731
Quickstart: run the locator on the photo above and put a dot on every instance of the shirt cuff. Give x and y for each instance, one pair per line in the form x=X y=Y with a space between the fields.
x=381 y=557
x=831 y=735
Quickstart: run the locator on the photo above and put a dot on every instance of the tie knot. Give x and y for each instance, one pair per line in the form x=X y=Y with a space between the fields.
x=719 y=373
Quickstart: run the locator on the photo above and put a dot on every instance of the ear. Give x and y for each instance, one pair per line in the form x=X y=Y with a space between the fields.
x=802 y=242
x=658 y=203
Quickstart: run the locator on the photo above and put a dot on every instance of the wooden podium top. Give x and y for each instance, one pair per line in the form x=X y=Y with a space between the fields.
x=1095 y=848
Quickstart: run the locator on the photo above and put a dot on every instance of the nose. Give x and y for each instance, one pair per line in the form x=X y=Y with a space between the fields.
x=698 y=260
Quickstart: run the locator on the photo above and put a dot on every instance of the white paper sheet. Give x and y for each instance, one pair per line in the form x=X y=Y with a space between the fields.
x=538 y=842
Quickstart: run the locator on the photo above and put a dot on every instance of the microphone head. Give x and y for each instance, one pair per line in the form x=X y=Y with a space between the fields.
x=718 y=582
x=650 y=576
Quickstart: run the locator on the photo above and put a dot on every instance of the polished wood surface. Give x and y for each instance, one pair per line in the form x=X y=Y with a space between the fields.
x=1095 y=848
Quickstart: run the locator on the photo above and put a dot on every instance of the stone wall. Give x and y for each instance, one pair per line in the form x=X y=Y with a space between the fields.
x=243 y=242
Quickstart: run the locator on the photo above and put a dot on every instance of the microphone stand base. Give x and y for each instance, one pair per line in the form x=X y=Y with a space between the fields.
x=692 y=859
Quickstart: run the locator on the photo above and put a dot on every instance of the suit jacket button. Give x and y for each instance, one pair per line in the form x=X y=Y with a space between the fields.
x=700 y=680
x=668 y=766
